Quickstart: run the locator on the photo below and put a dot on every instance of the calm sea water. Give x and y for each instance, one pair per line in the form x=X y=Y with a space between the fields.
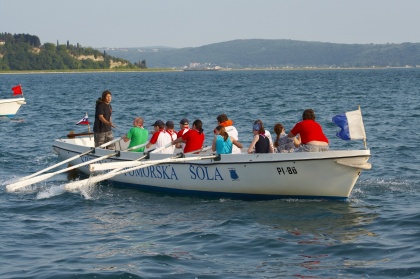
x=115 y=232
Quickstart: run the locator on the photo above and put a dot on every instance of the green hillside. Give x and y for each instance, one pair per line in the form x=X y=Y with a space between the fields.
x=258 y=53
x=25 y=52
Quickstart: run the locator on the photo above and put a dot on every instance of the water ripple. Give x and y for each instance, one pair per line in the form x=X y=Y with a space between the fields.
x=109 y=231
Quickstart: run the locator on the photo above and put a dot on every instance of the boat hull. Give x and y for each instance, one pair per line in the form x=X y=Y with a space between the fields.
x=9 y=107
x=331 y=174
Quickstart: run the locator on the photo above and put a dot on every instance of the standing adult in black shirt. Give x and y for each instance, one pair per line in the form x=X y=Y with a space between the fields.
x=102 y=132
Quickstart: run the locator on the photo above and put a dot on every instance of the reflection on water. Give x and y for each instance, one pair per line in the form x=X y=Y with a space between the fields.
x=320 y=222
x=159 y=228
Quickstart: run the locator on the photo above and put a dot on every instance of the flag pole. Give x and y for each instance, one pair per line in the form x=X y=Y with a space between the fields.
x=89 y=128
x=364 y=140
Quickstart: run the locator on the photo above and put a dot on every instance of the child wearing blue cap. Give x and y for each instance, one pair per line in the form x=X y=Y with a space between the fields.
x=260 y=142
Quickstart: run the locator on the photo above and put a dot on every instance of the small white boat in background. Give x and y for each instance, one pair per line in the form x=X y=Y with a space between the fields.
x=330 y=174
x=9 y=107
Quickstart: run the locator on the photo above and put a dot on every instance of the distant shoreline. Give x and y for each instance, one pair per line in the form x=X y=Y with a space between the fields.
x=84 y=71
x=152 y=70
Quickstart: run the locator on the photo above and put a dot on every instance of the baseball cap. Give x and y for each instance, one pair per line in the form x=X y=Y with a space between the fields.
x=158 y=123
x=184 y=121
x=169 y=124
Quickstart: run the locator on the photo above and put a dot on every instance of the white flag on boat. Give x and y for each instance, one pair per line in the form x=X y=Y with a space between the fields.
x=351 y=124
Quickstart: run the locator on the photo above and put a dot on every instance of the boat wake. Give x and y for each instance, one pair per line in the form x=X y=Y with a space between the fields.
x=373 y=188
x=51 y=189
x=50 y=192
x=87 y=191
x=12 y=120
x=387 y=185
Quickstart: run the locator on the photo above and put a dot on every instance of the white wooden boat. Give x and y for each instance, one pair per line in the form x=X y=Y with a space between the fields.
x=330 y=174
x=9 y=107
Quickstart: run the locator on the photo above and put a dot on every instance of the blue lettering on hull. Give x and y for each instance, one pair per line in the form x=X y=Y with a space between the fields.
x=158 y=172
x=197 y=172
x=169 y=173
x=204 y=173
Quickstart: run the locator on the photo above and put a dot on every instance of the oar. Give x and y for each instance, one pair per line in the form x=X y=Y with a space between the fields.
x=77 y=184
x=161 y=148
x=126 y=164
x=13 y=187
x=107 y=166
x=204 y=149
x=95 y=179
x=70 y=159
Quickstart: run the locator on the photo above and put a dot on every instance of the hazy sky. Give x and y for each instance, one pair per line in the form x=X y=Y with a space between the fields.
x=192 y=23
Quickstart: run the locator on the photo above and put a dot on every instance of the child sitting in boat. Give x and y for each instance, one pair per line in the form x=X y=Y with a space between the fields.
x=137 y=135
x=283 y=143
x=222 y=142
x=193 y=138
x=224 y=121
x=160 y=138
x=260 y=142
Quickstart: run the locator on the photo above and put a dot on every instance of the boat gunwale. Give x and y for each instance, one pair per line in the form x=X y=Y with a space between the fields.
x=11 y=100
x=115 y=158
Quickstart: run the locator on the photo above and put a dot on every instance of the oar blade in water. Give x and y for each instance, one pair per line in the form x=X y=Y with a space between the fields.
x=20 y=184
x=76 y=185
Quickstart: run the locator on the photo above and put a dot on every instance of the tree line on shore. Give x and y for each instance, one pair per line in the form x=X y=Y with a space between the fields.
x=25 y=52
x=262 y=53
